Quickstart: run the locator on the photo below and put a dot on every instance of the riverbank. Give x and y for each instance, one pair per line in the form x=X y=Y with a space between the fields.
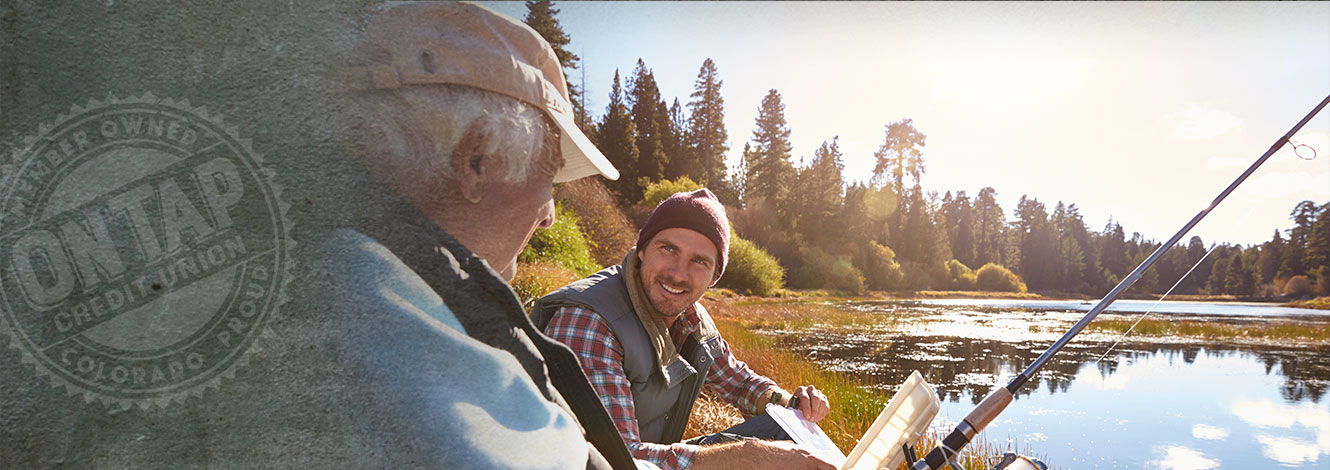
x=747 y=324
x=1318 y=303
x=855 y=405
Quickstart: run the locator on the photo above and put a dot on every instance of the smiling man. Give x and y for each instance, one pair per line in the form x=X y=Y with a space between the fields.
x=648 y=346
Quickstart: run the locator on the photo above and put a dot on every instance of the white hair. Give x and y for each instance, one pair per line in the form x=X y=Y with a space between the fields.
x=408 y=135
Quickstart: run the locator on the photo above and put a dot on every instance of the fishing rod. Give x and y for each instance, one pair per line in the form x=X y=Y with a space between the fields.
x=998 y=399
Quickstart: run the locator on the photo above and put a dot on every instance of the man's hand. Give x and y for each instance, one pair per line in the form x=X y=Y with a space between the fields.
x=812 y=403
x=754 y=454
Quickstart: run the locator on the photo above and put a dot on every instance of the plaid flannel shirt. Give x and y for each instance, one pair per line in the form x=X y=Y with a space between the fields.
x=601 y=357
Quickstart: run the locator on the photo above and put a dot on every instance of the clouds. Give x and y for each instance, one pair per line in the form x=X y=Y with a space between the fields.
x=1273 y=418
x=1201 y=122
x=1287 y=450
x=1209 y=433
x=1183 y=458
x=1105 y=381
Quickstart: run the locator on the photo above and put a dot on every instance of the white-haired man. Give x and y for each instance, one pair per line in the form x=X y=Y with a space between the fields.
x=463 y=116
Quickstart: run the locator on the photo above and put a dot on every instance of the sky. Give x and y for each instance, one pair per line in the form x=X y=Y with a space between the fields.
x=1139 y=112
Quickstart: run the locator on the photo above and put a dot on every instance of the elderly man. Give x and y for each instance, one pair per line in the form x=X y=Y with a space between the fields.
x=402 y=345
x=648 y=346
x=463 y=116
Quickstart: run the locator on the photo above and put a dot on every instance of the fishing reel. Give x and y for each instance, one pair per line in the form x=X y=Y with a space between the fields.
x=1008 y=461
x=886 y=444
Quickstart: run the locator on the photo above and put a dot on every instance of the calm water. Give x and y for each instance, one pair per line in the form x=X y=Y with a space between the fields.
x=1241 y=309
x=1156 y=404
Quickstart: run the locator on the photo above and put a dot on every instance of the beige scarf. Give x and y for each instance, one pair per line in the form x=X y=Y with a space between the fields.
x=651 y=318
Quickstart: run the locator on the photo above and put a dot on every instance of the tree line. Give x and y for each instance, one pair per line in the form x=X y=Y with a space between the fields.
x=889 y=233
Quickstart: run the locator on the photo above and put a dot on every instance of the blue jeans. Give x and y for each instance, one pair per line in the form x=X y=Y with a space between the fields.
x=757 y=427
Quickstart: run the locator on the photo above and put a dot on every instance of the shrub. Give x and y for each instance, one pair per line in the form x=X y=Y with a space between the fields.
x=562 y=244
x=1298 y=287
x=659 y=190
x=538 y=278
x=820 y=270
x=992 y=277
x=760 y=223
x=751 y=270
x=961 y=276
x=881 y=271
x=605 y=226
x=916 y=275
x=1322 y=275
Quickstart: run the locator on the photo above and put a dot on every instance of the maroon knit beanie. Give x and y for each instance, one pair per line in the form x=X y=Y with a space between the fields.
x=698 y=211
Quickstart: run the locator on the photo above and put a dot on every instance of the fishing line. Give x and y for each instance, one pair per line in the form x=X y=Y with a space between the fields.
x=988 y=410
x=1213 y=246
x=1296 y=151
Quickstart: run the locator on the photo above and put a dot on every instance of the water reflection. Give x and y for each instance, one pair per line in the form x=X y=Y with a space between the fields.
x=1170 y=404
x=972 y=365
x=1274 y=419
x=1182 y=458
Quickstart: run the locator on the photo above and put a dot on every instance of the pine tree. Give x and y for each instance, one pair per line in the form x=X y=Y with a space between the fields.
x=1082 y=273
x=769 y=170
x=1218 y=278
x=540 y=16
x=958 y=217
x=1318 y=241
x=900 y=155
x=822 y=188
x=740 y=178
x=676 y=149
x=652 y=125
x=616 y=138
x=1272 y=253
x=1238 y=277
x=1040 y=249
x=706 y=134
x=1194 y=283
x=1113 y=255
x=1294 y=261
x=989 y=223
x=921 y=242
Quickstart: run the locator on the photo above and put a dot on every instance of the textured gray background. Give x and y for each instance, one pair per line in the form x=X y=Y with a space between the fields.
x=265 y=67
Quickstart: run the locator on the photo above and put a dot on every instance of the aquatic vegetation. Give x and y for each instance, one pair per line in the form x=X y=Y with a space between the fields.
x=1319 y=303
x=1271 y=329
x=854 y=404
x=775 y=336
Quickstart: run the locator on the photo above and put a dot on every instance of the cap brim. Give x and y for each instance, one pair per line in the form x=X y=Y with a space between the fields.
x=580 y=157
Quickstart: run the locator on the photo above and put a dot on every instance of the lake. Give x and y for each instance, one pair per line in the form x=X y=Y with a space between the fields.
x=1156 y=403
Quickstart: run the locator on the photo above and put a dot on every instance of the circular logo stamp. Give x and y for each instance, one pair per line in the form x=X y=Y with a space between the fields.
x=143 y=250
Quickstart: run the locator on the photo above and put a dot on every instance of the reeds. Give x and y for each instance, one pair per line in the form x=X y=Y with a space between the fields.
x=1264 y=330
x=854 y=404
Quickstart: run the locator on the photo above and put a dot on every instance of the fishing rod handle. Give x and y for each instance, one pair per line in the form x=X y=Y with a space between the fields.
x=976 y=421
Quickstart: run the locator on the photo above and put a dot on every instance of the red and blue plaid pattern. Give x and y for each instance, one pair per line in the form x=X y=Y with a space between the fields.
x=601 y=356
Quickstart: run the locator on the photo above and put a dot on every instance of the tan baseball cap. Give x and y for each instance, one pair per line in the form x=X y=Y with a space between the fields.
x=451 y=43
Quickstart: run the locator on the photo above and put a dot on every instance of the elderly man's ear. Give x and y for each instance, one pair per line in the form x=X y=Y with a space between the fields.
x=472 y=165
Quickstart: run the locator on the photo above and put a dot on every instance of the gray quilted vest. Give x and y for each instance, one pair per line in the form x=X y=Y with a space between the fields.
x=662 y=407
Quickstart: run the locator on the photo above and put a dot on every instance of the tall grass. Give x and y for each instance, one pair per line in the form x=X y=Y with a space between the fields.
x=535 y=279
x=1281 y=331
x=605 y=226
x=1321 y=303
x=854 y=404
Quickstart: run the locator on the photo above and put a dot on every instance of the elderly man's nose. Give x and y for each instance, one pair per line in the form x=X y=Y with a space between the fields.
x=548 y=210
